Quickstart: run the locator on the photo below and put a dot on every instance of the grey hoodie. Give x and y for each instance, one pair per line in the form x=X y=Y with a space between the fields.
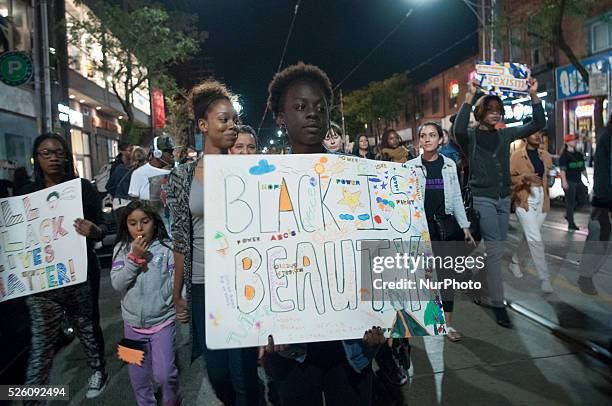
x=146 y=291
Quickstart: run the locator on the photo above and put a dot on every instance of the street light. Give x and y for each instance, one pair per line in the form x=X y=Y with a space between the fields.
x=482 y=22
x=271 y=142
x=237 y=106
x=279 y=133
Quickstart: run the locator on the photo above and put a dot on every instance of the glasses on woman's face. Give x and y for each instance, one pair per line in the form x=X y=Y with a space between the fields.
x=330 y=137
x=47 y=153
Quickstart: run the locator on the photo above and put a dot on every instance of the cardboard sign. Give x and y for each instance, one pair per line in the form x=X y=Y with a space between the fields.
x=503 y=79
x=289 y=243
x=39 y=247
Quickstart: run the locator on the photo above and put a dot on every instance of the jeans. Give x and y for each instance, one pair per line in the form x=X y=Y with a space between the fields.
x=307 y=383
x=576 y=195
x=597 y=243
x=494 y=218
x=158 y=366
x=232 y=373
x=531 y=222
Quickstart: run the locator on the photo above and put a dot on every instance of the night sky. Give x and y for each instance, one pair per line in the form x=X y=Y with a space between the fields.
x=247 y=37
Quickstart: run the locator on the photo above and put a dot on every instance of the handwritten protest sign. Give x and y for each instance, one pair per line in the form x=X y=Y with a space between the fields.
x=289 y=242
x=507 y=79
x=39 y=248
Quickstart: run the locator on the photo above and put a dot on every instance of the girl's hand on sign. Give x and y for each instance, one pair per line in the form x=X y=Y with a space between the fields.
x=271 y=347
x=87 y=229
x=139 y=247
x=374 y=337
x=533 y=86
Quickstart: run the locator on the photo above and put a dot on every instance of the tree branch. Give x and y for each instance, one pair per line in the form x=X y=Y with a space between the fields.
x=567 y=50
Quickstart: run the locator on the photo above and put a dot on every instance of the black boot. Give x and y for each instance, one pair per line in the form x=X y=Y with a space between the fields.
x=586 y=285
x=501 y=316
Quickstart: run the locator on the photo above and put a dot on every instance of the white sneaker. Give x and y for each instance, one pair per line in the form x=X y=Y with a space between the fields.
x=515 y=269
x=97 y=384
x=546 y=286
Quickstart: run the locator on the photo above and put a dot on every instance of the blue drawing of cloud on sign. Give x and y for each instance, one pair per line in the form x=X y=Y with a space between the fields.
x=303 y=239
x=507 y=78
x=39 y=247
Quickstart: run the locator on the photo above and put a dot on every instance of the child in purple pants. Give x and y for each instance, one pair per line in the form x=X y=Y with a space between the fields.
x=143 y=267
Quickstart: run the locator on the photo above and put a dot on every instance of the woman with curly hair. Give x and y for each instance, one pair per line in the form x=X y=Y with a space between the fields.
x=232 y=373
x=390 y=148
x=339 y=371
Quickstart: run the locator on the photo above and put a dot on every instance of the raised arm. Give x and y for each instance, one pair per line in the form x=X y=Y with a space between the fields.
x=460 y=127
x=539 y=119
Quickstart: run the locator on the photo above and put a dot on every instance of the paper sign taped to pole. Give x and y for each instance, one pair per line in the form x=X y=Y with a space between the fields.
x=291 y=245
x=39 y=248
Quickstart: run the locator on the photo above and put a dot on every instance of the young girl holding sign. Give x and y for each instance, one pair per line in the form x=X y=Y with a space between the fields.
x=143 y=268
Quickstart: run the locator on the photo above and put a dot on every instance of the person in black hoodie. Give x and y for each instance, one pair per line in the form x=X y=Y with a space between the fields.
x=595 y=250
x=53 y=165
x=488 y=153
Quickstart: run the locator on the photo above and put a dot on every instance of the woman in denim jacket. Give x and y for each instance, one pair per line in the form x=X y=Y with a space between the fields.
x=437 y=176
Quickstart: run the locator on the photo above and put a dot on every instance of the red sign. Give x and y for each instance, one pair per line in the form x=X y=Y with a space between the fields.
x=453 y=89
x=159 y=115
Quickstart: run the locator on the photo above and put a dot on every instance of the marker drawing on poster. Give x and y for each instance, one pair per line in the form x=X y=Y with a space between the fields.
x=286 y=239
x=39 y=247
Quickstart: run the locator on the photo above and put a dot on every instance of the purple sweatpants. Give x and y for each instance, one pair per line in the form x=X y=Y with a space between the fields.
x=158 y=366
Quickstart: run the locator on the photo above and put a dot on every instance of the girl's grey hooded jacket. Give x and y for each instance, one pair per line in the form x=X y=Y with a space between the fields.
x=146 y=290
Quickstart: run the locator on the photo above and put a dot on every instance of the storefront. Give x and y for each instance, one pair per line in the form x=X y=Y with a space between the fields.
x=576 y=99
x=18 y=129
x=94 y=137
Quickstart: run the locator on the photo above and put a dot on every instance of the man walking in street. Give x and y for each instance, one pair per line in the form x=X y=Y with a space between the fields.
x=146 y=182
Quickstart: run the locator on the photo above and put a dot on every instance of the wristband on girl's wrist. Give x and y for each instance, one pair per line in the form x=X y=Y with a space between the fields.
x=136 y=260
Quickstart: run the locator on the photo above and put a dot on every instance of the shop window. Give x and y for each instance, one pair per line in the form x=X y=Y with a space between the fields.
x=422 y=102
x=601 y=34
x=81 y=153
x=16 y=150
x=435 y=100
x=14 y=26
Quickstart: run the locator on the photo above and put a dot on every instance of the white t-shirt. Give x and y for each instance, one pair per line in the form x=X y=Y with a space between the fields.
x=146 y=182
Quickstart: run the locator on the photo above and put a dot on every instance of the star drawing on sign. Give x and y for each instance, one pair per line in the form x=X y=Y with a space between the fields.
x=350 y=199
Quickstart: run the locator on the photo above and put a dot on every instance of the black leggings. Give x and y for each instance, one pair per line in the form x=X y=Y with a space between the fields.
x=576 y=195
x=443 y=249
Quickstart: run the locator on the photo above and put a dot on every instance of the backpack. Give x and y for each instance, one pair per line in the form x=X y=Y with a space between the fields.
x=103 y=176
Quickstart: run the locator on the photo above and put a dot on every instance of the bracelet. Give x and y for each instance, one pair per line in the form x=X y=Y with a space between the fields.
x=136 y=260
